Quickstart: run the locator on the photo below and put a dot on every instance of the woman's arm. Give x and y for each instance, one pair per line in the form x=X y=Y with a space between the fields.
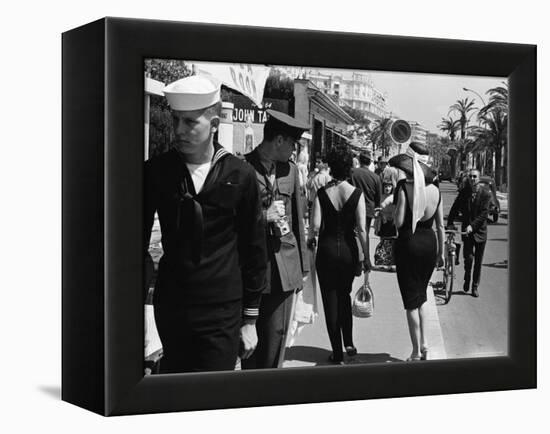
x=360 y=225
x=440 y=232
x=387 y=201
x=314 y=221
x=399 y=216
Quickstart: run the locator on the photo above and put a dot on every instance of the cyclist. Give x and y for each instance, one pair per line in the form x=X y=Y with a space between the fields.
x=473 y=203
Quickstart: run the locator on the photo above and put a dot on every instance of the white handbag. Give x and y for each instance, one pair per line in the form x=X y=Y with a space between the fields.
x=363 y=301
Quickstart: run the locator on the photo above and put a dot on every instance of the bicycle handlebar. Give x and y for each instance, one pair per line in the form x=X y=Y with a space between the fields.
x=455 y=232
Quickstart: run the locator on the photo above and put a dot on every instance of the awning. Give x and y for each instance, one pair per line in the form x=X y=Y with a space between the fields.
x=358 y=146
x=336 y=133
x=153 y=87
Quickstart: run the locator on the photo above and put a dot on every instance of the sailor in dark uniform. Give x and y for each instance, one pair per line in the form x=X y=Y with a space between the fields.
x=213 y=269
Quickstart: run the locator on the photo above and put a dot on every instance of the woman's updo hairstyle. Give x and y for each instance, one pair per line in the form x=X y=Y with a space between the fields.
x=340 y=161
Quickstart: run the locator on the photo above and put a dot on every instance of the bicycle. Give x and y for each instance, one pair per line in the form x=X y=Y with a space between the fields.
x=451 y=252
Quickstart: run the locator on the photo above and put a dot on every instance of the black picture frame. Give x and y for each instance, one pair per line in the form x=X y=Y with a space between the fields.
x=102 y=303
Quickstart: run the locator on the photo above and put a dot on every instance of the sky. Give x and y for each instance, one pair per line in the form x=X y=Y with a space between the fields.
x=426 y=98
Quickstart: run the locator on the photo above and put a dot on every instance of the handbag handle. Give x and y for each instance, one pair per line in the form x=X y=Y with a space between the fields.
x=366 y=274
x=368 y=288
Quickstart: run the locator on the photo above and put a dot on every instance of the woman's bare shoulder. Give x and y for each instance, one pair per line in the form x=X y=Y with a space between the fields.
x=432 y=189
x=346 y=187
x=432 y=193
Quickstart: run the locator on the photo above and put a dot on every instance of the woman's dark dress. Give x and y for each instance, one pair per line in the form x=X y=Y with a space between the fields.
x=415 y=255
x=336 y=264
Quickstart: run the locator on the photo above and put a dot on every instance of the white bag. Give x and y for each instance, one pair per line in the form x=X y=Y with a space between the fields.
x=363 y=301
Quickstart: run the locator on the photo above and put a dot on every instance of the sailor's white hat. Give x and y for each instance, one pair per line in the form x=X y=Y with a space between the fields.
x=193 y=93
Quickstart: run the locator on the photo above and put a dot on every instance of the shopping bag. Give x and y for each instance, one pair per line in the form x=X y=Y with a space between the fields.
x=363 y=301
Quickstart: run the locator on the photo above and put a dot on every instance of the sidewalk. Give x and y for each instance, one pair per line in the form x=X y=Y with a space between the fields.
x=382 y=338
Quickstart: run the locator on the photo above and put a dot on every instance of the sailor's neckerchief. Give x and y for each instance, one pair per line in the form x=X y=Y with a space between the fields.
x=187 y=195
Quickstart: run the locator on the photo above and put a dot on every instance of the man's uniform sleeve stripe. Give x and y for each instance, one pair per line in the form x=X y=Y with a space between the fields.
x=251 y=311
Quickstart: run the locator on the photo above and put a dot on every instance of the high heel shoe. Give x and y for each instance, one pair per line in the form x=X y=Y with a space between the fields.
x=331 y=359
x=414 y=358
x=424 y=353
x=351 y=351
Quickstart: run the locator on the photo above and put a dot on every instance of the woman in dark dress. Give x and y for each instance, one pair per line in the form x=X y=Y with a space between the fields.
x=339 y=212
x=417 y=248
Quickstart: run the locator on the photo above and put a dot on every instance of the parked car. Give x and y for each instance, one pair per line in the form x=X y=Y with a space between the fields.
x=494 y=206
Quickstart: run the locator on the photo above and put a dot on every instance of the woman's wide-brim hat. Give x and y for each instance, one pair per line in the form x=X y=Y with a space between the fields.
x=405 y=162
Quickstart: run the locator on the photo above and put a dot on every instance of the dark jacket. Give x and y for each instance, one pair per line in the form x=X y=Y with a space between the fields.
x=371 y=186
x=288 y=253
x=474 y=212
x=213 y=241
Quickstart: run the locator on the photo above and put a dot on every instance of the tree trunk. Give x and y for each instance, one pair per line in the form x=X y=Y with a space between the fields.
x=498 y=168
x=489 y=163
x=461 y=158
x=453 y=165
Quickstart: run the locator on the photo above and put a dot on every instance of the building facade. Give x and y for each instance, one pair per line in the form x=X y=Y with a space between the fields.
x=418 y=132
x=328 y=121
x=355 y=90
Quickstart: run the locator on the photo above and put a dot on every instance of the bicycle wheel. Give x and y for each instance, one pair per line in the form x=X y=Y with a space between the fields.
x=449 y=277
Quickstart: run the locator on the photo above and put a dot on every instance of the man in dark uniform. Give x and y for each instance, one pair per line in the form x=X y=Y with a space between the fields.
x=473 y=203
x=371 y=185
x=279 y=184
x=213 y=269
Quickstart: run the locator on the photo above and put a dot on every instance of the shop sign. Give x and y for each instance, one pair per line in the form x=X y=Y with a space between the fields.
x=243 y=108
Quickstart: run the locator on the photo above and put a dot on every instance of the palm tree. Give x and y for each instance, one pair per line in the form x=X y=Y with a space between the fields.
x=463 y=107
x=483 y=142
x=494 y=117
x=380 y=136
x=498 y=99
x=450 y=126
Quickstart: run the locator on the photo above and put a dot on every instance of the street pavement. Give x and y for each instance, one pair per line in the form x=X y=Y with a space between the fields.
x=380 y=339
x=466 y=327
x=478 y=327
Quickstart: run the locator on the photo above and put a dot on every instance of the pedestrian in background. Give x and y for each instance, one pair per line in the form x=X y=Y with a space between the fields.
x=371 y=186
x=381 y=165
x=473 y=203
x=355 y=160
x=302 y=162
x=385 y=229
x=341 y=209
x=317 y=179
x=279 y=184
x=390 y=175
x=212 y=272
x=417 y=248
